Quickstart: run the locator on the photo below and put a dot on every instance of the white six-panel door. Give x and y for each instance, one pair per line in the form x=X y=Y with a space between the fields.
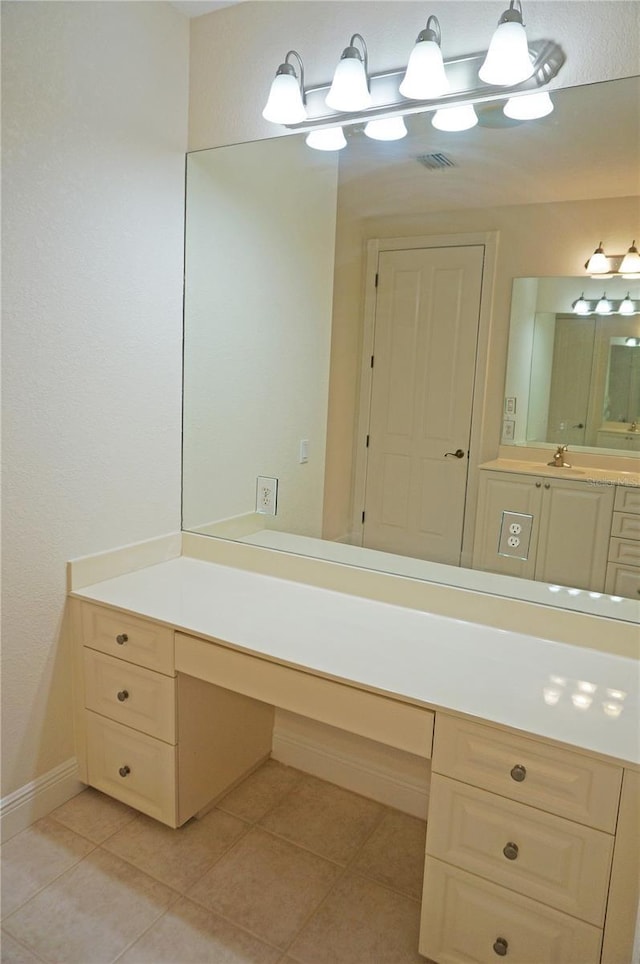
x=426 y=331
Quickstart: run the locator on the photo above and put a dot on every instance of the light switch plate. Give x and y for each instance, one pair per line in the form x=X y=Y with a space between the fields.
x=515 y=535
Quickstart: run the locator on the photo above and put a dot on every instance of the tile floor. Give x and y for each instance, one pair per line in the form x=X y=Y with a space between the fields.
x=287 y=868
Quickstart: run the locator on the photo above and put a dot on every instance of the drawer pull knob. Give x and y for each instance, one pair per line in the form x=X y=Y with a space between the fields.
x=538 y=486
x=124 y=771
x=121 y=639
x=123 y=695
x=501 y=947
x=518 y=773
x=547 y=485
x=510 y=851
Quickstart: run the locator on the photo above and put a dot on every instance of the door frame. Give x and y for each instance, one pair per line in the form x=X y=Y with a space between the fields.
x=375 y=246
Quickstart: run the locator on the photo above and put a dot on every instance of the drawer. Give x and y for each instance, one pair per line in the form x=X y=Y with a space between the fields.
x=548 y=858
x=560 y=781
x=463 y=917
x=627 y=498
x=377 y=717
x=131 y=695
x=132 y=767
x=626 y=525
x=625 y=553
x=127 y=637
x=623 y=581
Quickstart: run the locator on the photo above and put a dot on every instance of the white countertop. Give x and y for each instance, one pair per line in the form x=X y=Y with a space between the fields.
x=495 y=675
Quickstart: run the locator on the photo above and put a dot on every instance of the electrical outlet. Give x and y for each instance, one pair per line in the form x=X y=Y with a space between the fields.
x=266 y=495
x=515 y=535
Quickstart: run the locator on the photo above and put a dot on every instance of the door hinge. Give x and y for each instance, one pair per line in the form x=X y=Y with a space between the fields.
x=367 y=442
x=377 y=276
x=372 y=361
x=363 y=515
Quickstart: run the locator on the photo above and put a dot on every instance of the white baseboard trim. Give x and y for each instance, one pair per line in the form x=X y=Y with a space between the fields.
x=18 y=810
x=393 y=777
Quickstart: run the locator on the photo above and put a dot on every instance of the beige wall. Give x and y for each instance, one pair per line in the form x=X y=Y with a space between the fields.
x=258 y=298
x=94 y=132
x=235 y=51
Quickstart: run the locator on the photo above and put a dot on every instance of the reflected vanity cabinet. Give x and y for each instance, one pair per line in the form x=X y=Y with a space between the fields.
x=160 y=742
x=531 y=852
x=563 y=537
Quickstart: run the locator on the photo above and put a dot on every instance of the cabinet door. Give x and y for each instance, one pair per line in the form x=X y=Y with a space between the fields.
x=505 y=492
x=573 y=542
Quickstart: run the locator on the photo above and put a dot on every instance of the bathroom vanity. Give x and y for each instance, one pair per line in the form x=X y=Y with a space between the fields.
x=580 y=526
x=532 y=843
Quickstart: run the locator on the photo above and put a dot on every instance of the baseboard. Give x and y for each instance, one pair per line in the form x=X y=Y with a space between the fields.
x=18 y=810
x=393 y=777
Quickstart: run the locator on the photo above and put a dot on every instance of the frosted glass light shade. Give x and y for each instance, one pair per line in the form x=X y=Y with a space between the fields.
x=329 y=139
x=425 y=77
x=455 y=118
x=630 y=267
x=507 y=61
x=597 y=263
x=284 y=104
x=387 y=129
x=529 y=106
x=349 y=91
x=581 y=307
x=604 y=306
x=626 y=306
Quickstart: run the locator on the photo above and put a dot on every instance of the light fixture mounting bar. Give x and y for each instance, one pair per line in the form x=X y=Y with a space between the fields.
x=462 y=72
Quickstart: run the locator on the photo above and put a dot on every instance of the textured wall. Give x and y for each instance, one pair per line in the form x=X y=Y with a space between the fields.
x=94 y=123
x=237 y=50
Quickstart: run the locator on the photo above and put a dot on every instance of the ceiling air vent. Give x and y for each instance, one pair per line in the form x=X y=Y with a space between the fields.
x=435 y=162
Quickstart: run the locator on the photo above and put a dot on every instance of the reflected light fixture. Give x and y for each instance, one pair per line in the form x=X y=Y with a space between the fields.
x=349 y=90
x=329 y=139
x=604 y=306
x=386 y=129
x=461 y=118
x=630 y=267
x=529 y=106
x=581 y=307
x=425 y=76
x=286 y=101
x=626 y=306
x=508 y=61
x=632 y=342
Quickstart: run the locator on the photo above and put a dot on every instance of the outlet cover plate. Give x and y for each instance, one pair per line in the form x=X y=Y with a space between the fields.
x=515 y=535
x=266 y=495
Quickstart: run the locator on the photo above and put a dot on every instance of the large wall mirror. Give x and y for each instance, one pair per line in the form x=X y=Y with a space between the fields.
x=282 y=313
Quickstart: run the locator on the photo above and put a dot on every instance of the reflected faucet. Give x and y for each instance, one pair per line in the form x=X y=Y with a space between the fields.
x=633 y=427
x=558 y=459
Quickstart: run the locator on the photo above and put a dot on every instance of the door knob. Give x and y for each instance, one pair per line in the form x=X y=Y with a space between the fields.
x=458 y=454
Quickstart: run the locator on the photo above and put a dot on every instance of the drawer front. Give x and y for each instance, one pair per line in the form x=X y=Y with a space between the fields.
x=627 y=498
x=132 y=767
x=565 y=783
x=625 y=553
x=548 y=858
x=626 y=525
x=377 y=717
x=131 y=695
x=463 y=917
x=127 y=637
x=623 y=581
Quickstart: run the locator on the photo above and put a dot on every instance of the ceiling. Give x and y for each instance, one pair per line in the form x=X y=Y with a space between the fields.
x=197 y=8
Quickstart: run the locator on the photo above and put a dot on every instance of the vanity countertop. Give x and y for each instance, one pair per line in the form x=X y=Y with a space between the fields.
x=584 y=473
x=508 y=678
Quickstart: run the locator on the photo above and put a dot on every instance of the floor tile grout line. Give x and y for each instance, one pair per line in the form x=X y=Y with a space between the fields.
x=27 y=947
x=234 y=923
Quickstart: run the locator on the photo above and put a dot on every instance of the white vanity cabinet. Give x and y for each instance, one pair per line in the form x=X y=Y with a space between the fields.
x=626 y=441
x=570 y=528
x=519 y=851
x=623 y=569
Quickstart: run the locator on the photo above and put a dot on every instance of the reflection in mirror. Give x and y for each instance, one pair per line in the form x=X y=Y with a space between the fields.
x=279 y=287
x=575 y=378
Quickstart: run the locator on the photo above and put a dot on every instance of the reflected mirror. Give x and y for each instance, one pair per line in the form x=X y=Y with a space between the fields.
x=284 y=245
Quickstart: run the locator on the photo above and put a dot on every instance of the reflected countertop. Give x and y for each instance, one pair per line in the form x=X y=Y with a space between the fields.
x=578 y=697
x=577 y=472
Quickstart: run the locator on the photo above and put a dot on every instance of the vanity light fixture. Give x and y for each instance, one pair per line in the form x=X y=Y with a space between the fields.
x=350 y=86
x=581 y=307
x=448 y=89
x=508 y=61
x=461 y=118
x=626 y=306
x=602 y=265
x=632 y=342
x=387 y=129
x=630 y=267
x=598 y=263
x=328 y=139
x=425 y=77
x=286 y=101
x=604 y=306
x=529 y=106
